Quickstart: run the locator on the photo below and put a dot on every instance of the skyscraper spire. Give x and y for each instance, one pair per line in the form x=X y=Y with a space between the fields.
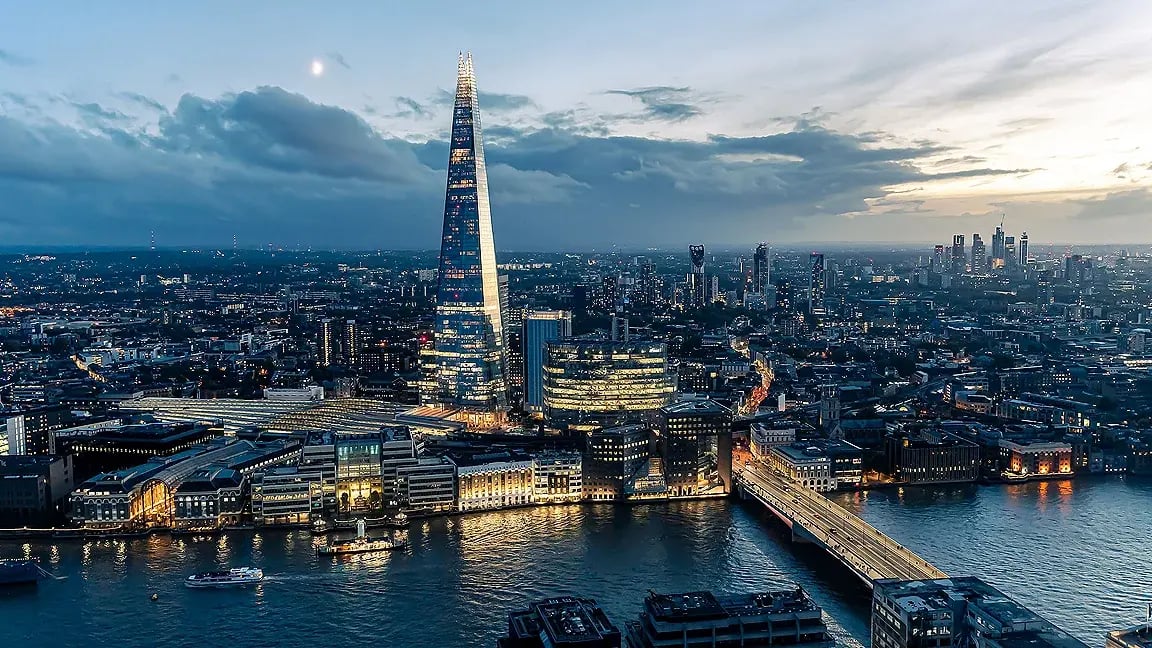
x=469 y=339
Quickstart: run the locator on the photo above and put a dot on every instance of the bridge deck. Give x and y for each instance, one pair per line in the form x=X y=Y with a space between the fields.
x=865 y=550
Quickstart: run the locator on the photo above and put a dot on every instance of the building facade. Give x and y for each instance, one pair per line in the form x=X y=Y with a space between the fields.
x=589 y=383
x=494 y=485
x=469 y=334
x=695 y=438
x=540 y=327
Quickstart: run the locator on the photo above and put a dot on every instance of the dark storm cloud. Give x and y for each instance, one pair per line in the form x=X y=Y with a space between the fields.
x=270 y=163
x=12 y=58
x=664 y=103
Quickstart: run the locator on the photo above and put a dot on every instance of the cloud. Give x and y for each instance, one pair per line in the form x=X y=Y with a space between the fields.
x=272 y=128
x=492 y=102
x=1119 y=204
x=664 y=103
x=96 y=115
x=338 y=58
x=12 y=58
x=268 y=163
x=409 y=107
x=140 y=99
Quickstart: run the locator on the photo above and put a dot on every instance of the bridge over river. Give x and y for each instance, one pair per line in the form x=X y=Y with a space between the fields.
x=870 y=554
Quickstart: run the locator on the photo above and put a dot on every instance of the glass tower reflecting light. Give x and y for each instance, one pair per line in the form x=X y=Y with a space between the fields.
x=469 y=341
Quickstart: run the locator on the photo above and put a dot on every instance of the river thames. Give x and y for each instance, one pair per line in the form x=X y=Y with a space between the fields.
x=1076 y=552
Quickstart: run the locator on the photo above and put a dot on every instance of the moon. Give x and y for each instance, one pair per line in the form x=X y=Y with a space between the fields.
x=317 y=67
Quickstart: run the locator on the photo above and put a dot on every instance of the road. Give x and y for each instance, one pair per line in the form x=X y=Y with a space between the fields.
x=868 y=552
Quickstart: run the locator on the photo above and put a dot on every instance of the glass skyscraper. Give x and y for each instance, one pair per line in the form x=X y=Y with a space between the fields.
x=540 y=327
x=469 y=338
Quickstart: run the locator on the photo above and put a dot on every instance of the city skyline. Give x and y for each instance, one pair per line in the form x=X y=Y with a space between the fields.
x=900 y=141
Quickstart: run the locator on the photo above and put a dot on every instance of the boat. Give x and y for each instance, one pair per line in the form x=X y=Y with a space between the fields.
x=362 y=543
x=398 y=521
x=19 y=571
x=235 y=577
x=320 y=525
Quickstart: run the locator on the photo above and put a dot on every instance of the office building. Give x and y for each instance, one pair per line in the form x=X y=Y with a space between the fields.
x=34 y=489
x=762 y=437
x=287 y=495
x=557 y=478
x=937 y=262
x=563 y=622
x=959 y=260
x=957 y=612
x=998 y=248
x=612 y=456
x=514 y=354
x=1024 y=249
x=428 y=486
x=932 y=456
x=540 y=327
x=209 y=498
x=589 y=383
x=704 y=620
x=761 y=268
x=695 y=439
x=469 y=334
x=695 y=297
x=806 y=464
x=784 y=297
x=350 y=344
x=30 y=432
x=358 y=472
x=328 y=345
x=816 y=285
x=1010 y=259
x=609 y=293
x=979 y=255
x=494 y=485
x=1035 y=460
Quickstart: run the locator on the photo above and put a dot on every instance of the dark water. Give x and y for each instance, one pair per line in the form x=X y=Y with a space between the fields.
x=1076 y=552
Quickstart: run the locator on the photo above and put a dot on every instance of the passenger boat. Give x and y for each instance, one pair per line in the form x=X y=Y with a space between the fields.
x=19 y=571
x=362 y=543
x=235 y=577
x=398 y=521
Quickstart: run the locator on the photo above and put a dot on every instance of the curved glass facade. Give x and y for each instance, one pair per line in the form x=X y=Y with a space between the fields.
x=595 y=382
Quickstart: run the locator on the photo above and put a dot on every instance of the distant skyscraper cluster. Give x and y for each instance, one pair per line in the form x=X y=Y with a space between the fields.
x=1007 y=253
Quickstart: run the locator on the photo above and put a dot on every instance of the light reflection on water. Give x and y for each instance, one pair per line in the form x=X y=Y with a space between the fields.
x=1074 y=551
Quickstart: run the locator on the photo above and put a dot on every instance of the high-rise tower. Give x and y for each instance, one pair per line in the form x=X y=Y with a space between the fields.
x=761 y=268
x=816 y=285
x=469 y=342
x=696 y=277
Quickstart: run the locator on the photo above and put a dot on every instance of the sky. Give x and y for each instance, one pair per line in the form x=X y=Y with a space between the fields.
x=626 y=124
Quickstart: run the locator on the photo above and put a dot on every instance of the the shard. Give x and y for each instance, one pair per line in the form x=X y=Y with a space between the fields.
x=469 y=352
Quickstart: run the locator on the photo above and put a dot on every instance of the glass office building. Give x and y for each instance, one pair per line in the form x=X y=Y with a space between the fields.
x=469 y=338
x=539 y=328
x=589 y=383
